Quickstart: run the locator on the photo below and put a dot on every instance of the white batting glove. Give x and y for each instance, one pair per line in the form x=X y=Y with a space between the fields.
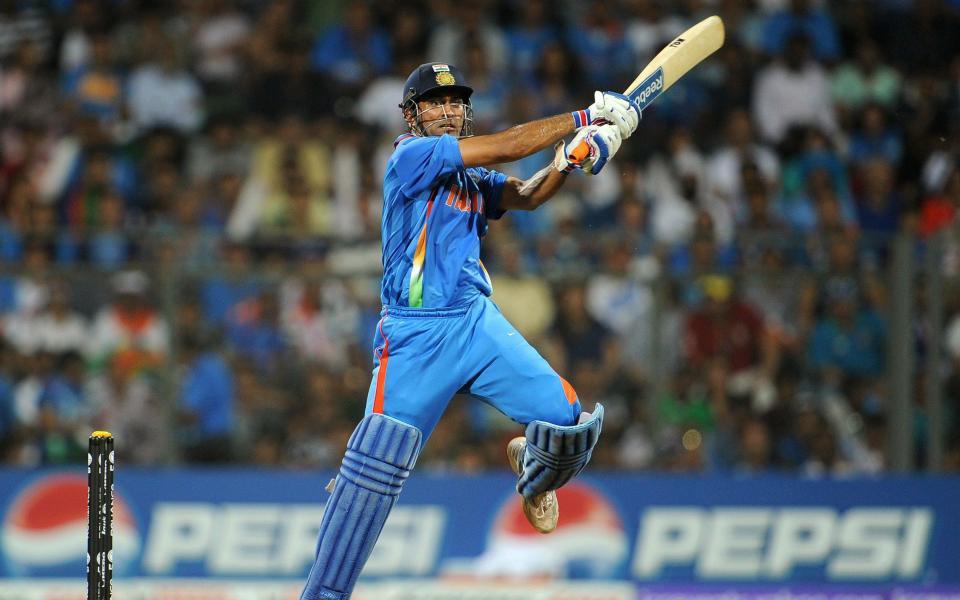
x=590 y=149
x=616 y=109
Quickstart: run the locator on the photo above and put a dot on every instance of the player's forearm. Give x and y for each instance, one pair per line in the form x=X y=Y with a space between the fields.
x=515 y=143
x=529 y=194
x=545 y=190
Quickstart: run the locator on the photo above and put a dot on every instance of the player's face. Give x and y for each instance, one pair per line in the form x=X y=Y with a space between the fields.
x=442 y=114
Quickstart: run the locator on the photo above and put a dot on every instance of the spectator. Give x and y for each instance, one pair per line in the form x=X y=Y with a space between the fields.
x=725 y=167
x=792 y=91
x=255 y=332
x=108 y=246
x=222 y=150
x=207 y=401
x=128 y=335
x=755 y=448
x=825 y=457
x=724 y=328
x=524 y=299
x=408 y=36
x=290 y=154
x=320 y=334
x=530 y=35
x=229 y=286
x=805 y=177
x=377 y=104
x=490 y=91
x=21 y=23
x=557 y=78
x=219 y=42
x=875 y=138
x=351 y=54
x=803 y=18
x=293 y=211
x=64 y=419
x=59 y=329
x=866 y=79
x=97 y=88
x=616 y=296
x=285 y=80
x=849 y=340
x=673 y=181
x=879 y=206
x=27 y=91
x=599 y=39
x=164 y=94
x=128 y=404
x=469 y=21
x=583 y=339
x=939 y=211
x=86 y=18
x=34 y=369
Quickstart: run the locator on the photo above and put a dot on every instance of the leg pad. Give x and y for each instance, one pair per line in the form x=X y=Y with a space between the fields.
x=379 y=456
x=555 y=454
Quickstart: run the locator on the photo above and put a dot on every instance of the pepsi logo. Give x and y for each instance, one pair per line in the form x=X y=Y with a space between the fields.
x=590 y=540
x=45 y=528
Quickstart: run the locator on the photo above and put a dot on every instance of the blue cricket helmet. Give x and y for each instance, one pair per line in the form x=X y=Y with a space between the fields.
x=434 y=76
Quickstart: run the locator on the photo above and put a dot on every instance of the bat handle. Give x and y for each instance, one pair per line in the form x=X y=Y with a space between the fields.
x=579 y=153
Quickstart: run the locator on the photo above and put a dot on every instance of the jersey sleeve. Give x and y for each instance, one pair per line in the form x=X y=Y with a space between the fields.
x=491 y=186
x=421 y=161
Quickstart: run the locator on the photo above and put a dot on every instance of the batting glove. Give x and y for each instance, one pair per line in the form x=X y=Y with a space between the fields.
x=615 y=109
x=590 y=149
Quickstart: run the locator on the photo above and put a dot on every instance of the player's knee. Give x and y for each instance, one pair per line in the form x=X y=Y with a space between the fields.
x=562 y=406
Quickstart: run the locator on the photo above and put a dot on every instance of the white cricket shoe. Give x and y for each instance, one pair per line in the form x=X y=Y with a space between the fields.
x=543 y=512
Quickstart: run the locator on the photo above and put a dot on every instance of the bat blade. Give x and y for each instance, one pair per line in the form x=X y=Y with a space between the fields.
x=679 y=56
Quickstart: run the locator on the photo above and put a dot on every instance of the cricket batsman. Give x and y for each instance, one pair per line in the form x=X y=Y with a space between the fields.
x=440 y=333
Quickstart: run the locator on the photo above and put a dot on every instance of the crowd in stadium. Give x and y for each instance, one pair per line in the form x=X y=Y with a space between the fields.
x=189 y=225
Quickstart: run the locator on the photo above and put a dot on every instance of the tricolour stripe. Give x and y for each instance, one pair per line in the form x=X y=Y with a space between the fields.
x=419 y=259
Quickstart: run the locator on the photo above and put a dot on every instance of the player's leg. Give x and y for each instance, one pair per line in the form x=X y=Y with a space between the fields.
x=412 y=384
x=512 y=376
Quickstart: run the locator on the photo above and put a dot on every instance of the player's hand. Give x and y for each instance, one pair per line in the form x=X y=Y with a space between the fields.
x=615 y=109
x=590 y=149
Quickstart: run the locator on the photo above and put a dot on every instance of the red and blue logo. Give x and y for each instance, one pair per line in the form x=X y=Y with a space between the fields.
x=45 y=529
x=590 y=541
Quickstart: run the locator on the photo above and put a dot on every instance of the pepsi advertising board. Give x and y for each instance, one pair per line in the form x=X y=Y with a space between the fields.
x=648 y=534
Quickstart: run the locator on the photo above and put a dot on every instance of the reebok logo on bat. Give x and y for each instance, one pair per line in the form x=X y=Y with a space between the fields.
x=652 y=89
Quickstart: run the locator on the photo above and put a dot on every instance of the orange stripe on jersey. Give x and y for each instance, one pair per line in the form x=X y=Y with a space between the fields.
x=568 y=390
x=381 y=371
x=454 y=191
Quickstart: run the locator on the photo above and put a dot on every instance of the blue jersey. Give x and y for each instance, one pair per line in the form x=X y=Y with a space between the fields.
x=435 y=213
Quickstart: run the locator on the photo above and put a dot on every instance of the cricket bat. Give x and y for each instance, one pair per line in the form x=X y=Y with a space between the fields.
x=679 y=56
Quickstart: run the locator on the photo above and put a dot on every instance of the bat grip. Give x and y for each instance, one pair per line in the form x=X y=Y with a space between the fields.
x=578 y=153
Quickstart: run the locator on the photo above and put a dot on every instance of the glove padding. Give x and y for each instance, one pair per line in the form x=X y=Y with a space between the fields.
x=590 y=149
x=615 y=109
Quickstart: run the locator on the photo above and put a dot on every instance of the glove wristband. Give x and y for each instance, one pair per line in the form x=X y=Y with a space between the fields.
x=581 y=118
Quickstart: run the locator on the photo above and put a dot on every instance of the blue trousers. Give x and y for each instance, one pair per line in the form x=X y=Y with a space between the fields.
x=423 y=356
